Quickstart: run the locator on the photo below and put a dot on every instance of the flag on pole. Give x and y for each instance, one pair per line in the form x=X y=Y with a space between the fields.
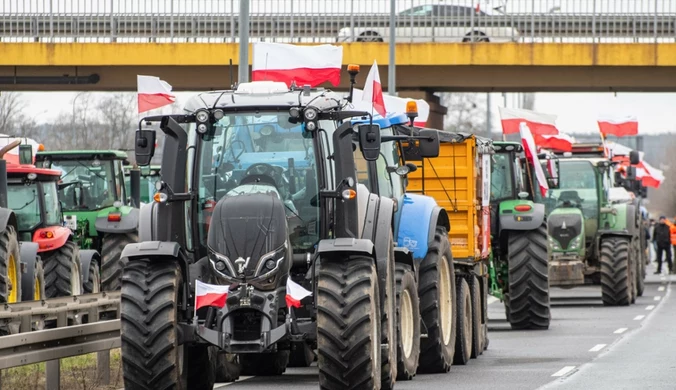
x=531 y=155
x=295 y=293
x=538 y=123
x=153 y=93
x=561 y=142
x=304 y=65
x=373 y=91
x=618 y=126
x=395 y=105
x=210 y=295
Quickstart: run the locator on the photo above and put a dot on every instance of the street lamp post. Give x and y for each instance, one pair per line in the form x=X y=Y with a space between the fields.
x=243 y=68
x=391 y=67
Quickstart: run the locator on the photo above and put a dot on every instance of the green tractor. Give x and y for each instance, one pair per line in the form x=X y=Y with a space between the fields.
x=592 y=240
x=518 y=270
x=95 y=205
x=150 y=175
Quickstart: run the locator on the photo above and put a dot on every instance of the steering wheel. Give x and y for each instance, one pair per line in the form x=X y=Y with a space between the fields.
x=260 y=173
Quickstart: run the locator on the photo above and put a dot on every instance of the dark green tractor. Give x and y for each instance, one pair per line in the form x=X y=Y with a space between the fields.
x=96 y=205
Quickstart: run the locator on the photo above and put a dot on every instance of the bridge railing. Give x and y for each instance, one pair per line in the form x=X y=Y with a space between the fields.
x=339 y=20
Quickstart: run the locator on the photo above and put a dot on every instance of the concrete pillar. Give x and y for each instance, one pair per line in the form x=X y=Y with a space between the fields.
x=437 y=111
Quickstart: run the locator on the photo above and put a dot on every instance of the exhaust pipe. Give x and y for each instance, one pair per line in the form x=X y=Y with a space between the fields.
x=135 y=181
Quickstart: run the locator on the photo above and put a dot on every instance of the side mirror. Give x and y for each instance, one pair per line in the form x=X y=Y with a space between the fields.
x=144 y=146
x=411 y=167
x=369 y=141
x=429 y=146
x=634 y=157
x=25 y=154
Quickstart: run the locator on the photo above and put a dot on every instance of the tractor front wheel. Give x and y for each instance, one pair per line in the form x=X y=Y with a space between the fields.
x=63 y=276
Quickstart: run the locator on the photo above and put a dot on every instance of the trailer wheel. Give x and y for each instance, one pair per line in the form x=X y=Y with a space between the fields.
x=112 y=263
x=302 y=355
x=93 y=282
x=478 y=340
x=63 y=276
x=528 y=304
x=152 y=358
x=616 y=283
x=437 y=291
x=348 y=324
x=408 y=323
x=464 y=336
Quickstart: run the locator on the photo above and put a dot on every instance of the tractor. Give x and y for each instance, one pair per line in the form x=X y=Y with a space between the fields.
x=591 y=239
x=96 y=205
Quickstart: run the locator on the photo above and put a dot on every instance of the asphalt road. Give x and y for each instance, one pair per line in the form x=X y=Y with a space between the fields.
x=587 y=346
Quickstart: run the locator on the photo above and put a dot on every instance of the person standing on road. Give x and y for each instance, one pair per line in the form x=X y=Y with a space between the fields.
x=662 y=238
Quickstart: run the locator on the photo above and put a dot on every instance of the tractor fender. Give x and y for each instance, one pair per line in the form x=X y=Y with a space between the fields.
x=86 y=258
x=28 y=251
x=404 y=256
x=61 y=234
x=420 y=216
x=127 y=224
x=383 y=247
x=148 y=249
x=529 y=220
x=7 y=217
x=344 y=246
x=147 y=222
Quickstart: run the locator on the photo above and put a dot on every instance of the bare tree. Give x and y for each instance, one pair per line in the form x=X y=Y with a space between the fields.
x=13 y=117
x=118 y=119
x=466 y=113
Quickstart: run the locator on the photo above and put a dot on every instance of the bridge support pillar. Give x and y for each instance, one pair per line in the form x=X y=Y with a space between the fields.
x=437 y=110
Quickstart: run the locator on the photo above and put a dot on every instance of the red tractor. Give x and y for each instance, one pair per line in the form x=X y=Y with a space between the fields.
x=32 y=193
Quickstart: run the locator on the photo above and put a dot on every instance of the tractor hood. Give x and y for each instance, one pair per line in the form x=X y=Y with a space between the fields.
x=565 y=228
x=248 y=239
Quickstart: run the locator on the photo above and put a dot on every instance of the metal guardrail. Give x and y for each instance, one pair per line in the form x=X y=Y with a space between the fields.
x=28 y=341
x=338 y=20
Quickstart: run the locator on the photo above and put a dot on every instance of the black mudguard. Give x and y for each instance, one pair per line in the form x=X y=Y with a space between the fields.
x=128 y=223
x=86 y=258
x=147 y=222
x=7 y=217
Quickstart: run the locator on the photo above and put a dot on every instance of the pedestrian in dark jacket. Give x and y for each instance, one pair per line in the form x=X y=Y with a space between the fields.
x=662 y=238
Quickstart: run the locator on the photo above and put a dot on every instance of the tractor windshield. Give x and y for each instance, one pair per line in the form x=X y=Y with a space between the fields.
x=87 y=184
x=577 y=188
x=23 y=200
x=502 y=177
x=262 y=152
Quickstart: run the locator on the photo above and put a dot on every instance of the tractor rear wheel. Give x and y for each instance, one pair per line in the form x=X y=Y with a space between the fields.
x=264 y=364
x=112 y=263
x=408 y=322
x=10 y=267
x=348 y=324
x=478 y=335
x=63 y=275
x=616 y=283
x=436 y=288
x=528 y=304
x=463 y=341
x=640 y=277
x=388 y=323
x=93 y=283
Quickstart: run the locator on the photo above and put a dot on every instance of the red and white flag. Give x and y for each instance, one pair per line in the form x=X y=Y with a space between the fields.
x=562 y=142
x=649 y=175
x=153 y=93
x=373 y=90
x=304 y=65
x=395 y=105
x=530 y=150
x=538 y=123
x=618 y=126
x=295 y=293
x=210 y=295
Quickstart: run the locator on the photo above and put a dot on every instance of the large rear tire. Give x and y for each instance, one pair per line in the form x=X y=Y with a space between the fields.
x=408 y=322
x=616 y=283
x=388 y=323
x=348 y=324
x=478 y=335
x=63 y=275
x=436 y=289
x=112 y=263
x=528 y=304
x=464 y=334
x=264 y=364
x=640 y=277
x=93 y=281
x=151 y=355
x=10 y=267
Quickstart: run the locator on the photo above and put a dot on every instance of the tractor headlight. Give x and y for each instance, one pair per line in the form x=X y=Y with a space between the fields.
x=202 y=116
x=554 y=245
x=310 y=114
x=575 y=244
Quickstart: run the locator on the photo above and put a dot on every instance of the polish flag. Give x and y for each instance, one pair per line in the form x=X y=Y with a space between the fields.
x=295 y=293
x=373 y=91
x=562 y=142
x=210 y=295
x=395 y=105
x=153 y=93
x=618 y=126
x=540 y=124
x=649 y=175
x=621 y=150
x=530 y=150
x=304 y=65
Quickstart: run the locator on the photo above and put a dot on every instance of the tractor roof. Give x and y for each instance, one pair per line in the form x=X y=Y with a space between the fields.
x=82 y=155
x=583 y=150
x=507 y=146
x=18 y=170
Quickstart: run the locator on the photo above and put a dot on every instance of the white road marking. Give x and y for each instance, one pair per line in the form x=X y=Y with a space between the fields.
x=564 y=371
x=639 y=318
x=597 y=347
x=663 y=277
x=491 y=299
x=660 y=288
x=650 y=307
x=620 y=331
x=222 y=385
x=657 y=298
